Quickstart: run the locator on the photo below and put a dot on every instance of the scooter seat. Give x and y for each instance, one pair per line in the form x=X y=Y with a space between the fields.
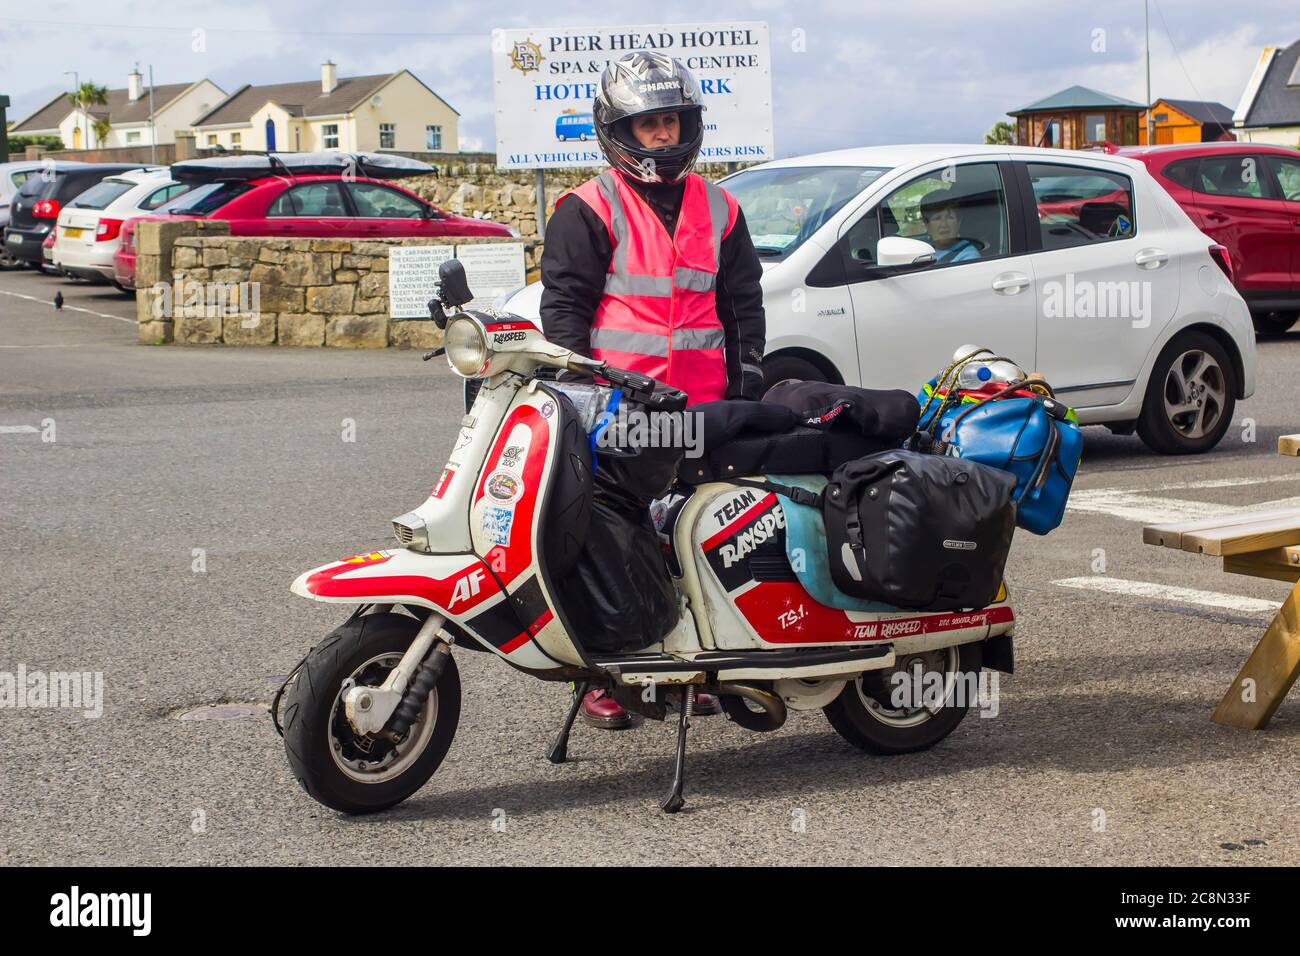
x=805 y=546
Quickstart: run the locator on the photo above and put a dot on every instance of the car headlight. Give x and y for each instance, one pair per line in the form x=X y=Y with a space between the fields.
x=466 y=345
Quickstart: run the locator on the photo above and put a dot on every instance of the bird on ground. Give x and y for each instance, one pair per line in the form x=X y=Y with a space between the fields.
x=58 y=301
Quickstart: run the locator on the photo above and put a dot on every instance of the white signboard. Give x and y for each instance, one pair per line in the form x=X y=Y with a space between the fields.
x=491 y=268
x=545 y=79
x=413 y=279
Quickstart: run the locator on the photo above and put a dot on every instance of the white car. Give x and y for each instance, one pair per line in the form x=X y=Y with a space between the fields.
x=90 y=226
x=880 y=262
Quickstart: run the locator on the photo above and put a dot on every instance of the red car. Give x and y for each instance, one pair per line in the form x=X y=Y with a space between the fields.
x=1245 y=196
x=317 y=206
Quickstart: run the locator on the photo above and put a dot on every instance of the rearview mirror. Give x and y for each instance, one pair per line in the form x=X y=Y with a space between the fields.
x=900 y=251
x=452 y=283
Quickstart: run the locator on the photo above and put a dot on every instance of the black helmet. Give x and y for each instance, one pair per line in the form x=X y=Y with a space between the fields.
x=639 y=84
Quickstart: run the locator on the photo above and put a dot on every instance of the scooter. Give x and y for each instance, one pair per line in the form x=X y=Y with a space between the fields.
x=369 y=714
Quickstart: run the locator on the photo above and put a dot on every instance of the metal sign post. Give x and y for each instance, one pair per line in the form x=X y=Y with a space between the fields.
x=4 y=131
x=541 y=205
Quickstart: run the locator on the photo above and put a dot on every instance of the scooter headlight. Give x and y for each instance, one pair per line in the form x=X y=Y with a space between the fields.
x=467 y=347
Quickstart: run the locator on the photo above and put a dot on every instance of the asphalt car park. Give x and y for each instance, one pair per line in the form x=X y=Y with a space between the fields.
x=155 y=504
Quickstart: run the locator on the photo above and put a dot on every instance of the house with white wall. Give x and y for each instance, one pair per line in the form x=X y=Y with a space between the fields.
x=1269 y=111
x=135 y=117
x=390 y=111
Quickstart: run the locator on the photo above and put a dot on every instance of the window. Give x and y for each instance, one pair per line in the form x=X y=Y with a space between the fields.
x=212 y=139
x=235 y=139
x=961 y=211
x=132 y=138
x=1232 y=175
x=387 y=136
x=1078 y=205
x=205 y=199
x=1287 y=171
x=101 y=194
x=783 y=207
x=1162 y=117
x=433 y=137
x=21 y=177
x=310 y=199
x=160 y=196
x=380 y=202
x=1182 y=172
x=1094 y=128
x=330 y=136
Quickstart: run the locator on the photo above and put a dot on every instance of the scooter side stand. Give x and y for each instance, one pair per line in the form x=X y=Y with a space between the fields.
x=559 y=751
x=675 y=801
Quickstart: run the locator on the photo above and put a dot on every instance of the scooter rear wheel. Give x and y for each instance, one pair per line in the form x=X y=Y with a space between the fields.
x=364 y=774
x=866 y=713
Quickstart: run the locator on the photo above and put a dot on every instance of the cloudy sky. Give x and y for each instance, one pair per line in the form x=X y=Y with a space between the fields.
x=869 y=72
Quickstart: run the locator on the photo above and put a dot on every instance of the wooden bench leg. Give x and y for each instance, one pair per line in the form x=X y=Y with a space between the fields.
x=1273 y=666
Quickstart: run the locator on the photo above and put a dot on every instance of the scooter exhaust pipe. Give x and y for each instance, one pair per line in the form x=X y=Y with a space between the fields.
x=733 y=697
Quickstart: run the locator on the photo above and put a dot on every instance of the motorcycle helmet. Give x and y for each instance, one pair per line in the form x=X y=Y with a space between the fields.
x=639 y=84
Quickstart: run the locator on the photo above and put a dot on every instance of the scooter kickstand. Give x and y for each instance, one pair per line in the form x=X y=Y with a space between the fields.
x=559 y=751
x=686 y=709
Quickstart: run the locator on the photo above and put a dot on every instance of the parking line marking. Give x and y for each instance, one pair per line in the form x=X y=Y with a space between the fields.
x=66 y=307
x=1168 y=592
x=1154 y=509
x=17 y=429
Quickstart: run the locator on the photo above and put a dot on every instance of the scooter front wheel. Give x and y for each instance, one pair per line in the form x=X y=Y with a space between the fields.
x=336 y=766
x=911 y=706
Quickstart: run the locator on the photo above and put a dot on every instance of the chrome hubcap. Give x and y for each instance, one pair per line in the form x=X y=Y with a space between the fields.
x=374 y=758
x=1196 y=394
x=879 y=690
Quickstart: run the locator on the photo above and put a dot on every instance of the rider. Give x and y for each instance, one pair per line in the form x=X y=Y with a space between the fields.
x=653 y=268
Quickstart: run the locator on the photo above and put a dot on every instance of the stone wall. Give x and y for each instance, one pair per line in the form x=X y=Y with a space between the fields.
x=310 y=292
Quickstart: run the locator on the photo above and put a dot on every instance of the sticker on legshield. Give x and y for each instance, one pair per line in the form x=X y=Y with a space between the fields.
x=504 y=486
x=443 y=481
x=497 y=523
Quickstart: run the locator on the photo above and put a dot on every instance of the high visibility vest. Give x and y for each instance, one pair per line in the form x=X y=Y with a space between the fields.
x=658 y=315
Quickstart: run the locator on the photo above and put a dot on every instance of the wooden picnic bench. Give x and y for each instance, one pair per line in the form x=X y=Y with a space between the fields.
x=1262 y=544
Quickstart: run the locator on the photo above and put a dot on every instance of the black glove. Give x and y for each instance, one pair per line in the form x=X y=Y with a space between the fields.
x=751 y=385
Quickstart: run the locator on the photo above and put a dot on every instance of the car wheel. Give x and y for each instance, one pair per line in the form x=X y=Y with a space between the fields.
x=1274 y=323
x=784 y=368
x=1190 y=397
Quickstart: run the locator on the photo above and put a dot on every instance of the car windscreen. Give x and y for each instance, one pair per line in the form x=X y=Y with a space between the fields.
x=785 y=205
x=101 y=194
x=204 y=199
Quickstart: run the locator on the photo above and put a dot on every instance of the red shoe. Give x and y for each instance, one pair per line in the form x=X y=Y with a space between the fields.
x=706 y=705
x=601 y=710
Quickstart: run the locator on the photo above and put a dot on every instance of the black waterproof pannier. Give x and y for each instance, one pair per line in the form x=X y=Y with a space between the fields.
x=918 y=531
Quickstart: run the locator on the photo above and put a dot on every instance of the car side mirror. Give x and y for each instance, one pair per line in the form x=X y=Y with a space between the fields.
x=898 y=255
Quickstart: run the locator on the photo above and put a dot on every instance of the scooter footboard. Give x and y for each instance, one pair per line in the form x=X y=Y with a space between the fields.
x=458 y=586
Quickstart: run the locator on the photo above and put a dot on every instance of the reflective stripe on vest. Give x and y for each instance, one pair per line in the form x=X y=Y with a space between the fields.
x=657 y=315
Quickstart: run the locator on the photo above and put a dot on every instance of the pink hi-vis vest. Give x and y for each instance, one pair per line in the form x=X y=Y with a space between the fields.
x=658 y=314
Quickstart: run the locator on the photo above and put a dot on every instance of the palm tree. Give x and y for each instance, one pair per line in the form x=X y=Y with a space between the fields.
x=85 y=97
x=1002 y=134
x=102 y=128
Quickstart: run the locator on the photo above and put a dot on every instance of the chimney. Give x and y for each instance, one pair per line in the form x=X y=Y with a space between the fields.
x=329 y=77
x=134 y=85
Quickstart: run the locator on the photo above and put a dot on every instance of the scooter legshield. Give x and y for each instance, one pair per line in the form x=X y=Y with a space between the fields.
x=458 y=586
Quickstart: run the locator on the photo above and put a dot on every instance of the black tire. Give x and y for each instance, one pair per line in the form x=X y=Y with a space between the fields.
x=785 y=367
x=1172 y=435
x=312 y=707
x=1274 y=323
x=125 y=290
x=858 y=723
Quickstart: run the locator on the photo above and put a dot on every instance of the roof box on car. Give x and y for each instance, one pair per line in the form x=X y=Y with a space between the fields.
x=256 y=165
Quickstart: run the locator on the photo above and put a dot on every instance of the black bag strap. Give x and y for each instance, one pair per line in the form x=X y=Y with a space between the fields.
x=800 y=496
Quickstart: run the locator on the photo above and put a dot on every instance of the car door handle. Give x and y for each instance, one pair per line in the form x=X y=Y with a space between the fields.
x=1009 y=283
x=1216 y=217
x=1151 y=258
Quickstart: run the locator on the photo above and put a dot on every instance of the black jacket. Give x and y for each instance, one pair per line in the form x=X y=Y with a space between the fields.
x=575 y=261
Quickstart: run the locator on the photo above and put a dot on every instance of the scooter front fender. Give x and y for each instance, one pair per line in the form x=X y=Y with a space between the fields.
x=458 y=586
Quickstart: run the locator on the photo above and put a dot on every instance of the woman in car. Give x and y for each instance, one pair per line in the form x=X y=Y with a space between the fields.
x=942 y=215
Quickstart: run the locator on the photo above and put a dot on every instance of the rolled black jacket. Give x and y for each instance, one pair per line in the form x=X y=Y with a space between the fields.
x=575 y=261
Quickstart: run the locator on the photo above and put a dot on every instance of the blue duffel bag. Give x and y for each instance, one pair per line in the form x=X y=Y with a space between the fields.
x=1033 y=438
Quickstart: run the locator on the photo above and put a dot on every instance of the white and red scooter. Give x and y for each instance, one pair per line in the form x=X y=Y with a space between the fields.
x=369 y=714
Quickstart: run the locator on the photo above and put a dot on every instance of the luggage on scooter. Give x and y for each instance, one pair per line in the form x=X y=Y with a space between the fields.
x=618 y=595
x=919 y=531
